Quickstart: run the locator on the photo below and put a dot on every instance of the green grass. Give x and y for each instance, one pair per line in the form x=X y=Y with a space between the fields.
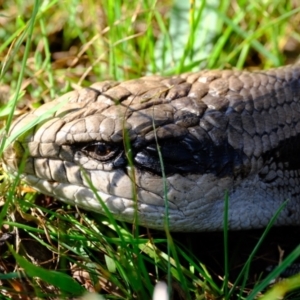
x=50 y=47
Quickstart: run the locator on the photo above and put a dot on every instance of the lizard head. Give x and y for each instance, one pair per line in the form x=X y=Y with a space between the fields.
x=139 y=146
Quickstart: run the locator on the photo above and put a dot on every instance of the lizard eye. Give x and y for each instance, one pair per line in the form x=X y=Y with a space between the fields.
x=100 y=151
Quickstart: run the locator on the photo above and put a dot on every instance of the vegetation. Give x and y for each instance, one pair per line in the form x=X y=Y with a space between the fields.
x=50 y=250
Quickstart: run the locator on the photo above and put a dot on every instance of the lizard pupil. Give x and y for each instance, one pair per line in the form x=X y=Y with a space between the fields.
x=102 y=149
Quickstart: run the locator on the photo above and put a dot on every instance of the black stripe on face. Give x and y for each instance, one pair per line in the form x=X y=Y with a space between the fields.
x=282 y=161
x=189 y=155
x=192 y=156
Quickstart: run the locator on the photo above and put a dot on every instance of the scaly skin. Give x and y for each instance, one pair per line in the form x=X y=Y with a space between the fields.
x=217 y=131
